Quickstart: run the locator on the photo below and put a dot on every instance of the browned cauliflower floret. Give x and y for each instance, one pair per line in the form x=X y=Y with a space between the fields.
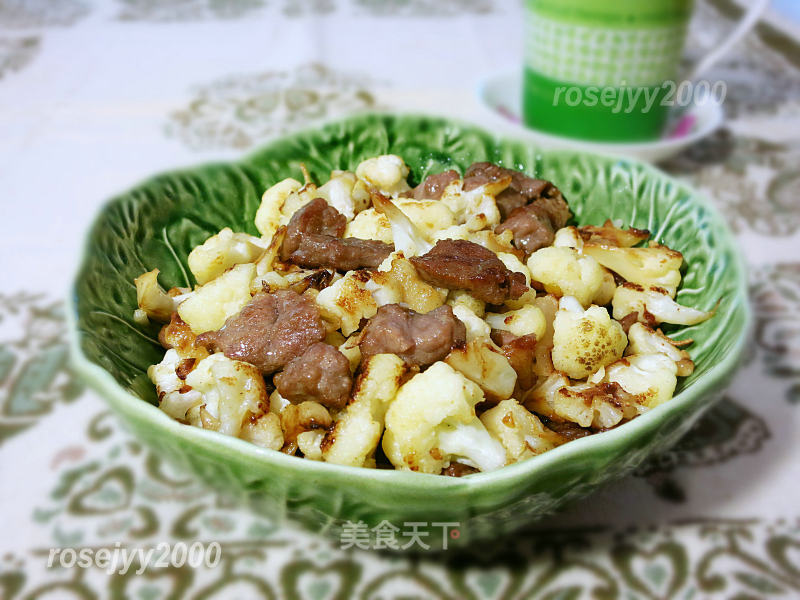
x=585 y=340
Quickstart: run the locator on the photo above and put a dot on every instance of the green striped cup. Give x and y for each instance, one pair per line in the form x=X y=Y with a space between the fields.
x=607 y=70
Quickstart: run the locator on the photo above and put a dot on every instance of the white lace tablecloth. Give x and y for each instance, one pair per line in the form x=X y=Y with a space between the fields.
x=95 y=96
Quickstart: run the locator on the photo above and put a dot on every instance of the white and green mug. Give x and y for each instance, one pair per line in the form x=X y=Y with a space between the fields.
x=603 y=70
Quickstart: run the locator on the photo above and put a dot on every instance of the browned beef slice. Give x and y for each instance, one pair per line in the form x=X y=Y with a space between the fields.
x=533 y=209
x=519 y=350
x=534 y=225
x=269 y=331
x=313 y=239
x=322 y=373
x=317 y=250
x=522 y=189
x=315 y=217
x=419 y=339
x=501 y=337
x=432 y=186
x=463 y=265
x=555 y=207
x=481 y=173
x=570 y=430
x=457 y=469
x=532 y=228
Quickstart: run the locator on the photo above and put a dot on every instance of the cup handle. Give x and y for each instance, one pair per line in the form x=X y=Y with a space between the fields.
x=746 y=23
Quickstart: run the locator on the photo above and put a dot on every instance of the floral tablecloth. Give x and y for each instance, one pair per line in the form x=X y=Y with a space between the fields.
x=95 y=96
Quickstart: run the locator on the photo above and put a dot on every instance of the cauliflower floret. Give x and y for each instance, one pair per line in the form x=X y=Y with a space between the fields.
x=297 y=419
x=264 y=431
x=476 y=208
x=609 y=233
x=520 y=432
x=271 y=255
x=297 y=200
x=152 y=299
x=496 y=242
x=656 y=265
x=565 y=272
x=430 y=216
x=408 y=238
x=462 y=297
x=484 y=363
x=178 y=335
x=296 y=276
x=643 y=340
x=454 y=232
x=356 y=436
x=472 y=445
x=542 y=352
x=357 y=430
x=268 y=282
x=568 y=237
x=594 y=403
x=334 y=338
x=232 y=391
x=213 y=303
x=541 y=399
x=347 y=301
x=270 y=213
x=310 y=443
x=387 y=173
x=654 y=305
x=606 y=291
x=401 y=284
x=174 y=398
x=221 y=251
x=352 y=351
x=513 y=263
x=590 y=405
x=370 y=224
x=432 y=422
x=386 y=264
x=344 y=192
x=620 y=391
x=523 y=321
x=651 y=378
x=385 y=289
x=585 y=340
x=277 y=402
x=528 y=297
x=475 y=326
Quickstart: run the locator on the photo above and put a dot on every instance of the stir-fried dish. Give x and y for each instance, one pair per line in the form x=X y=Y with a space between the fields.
x=454 y=327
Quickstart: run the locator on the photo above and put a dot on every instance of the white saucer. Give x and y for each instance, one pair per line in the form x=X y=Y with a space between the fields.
x=500 y=97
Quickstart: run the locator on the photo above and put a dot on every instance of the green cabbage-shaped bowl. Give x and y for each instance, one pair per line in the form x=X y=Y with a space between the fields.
x=157 y=223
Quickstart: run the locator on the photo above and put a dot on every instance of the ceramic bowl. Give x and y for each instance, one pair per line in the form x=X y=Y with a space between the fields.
x=157 y=223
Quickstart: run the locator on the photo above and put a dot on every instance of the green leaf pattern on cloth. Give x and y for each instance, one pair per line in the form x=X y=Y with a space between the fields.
x=25 y=14
x=239 y=111
x=33 y=361
x=183 y=10
x=16 y=52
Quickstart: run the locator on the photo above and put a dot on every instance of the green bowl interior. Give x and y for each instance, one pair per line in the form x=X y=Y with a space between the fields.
x=156 y=224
